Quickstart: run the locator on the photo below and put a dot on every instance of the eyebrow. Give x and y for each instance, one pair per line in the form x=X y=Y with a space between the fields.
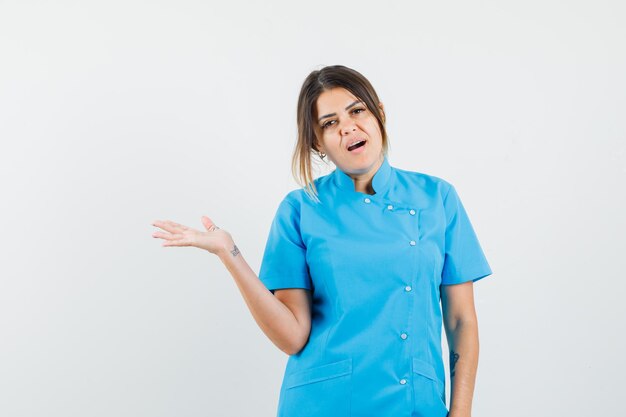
x=334 y=114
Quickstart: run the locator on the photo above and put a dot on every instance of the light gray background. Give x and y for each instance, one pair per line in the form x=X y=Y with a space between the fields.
x=114 y=114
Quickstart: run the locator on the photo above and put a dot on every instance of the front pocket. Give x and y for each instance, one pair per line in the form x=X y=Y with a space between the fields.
x=428 y=390
x=319 y=373
x=319 y=391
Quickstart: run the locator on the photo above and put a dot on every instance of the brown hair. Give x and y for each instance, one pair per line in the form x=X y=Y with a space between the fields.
x=314 y=85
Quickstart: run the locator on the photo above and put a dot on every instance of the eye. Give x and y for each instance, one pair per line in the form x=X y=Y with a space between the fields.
x=357 y=110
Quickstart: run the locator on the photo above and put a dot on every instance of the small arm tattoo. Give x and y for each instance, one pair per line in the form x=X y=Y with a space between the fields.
x=454 y=357
x=235 y=250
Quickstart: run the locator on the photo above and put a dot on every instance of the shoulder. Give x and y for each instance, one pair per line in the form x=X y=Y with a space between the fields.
x=433 y=185
x=299 y=197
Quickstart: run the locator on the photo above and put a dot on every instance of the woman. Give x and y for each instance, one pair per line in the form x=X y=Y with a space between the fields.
x=355 y=267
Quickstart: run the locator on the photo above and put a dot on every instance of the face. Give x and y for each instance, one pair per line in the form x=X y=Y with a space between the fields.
x=342 y=121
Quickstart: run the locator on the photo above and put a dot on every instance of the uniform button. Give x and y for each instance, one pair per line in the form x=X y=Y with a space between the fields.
x=412 y=212
x=407 y=288
x=367 y=200
x=403 y=381
x=389 y=207
x=403 y=336
x=412 y=243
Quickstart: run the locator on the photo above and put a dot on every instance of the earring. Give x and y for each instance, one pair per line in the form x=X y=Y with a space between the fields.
x=321 y=155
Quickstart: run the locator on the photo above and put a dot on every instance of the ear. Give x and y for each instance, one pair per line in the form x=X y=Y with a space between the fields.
x=317 y=144
x=382 y=110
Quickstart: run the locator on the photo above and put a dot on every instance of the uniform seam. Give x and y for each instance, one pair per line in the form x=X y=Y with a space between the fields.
x=333 y=305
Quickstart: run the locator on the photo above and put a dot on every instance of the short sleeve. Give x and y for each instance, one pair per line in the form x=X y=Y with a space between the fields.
x=284 y=260
x=464 y=259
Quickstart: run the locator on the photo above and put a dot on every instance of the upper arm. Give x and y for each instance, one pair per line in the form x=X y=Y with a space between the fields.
x=457 y=302
x=284 y=263
x=299 y=301
x=464 y=259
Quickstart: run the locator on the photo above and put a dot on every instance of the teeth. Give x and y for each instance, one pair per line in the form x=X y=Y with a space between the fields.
x=359 y=141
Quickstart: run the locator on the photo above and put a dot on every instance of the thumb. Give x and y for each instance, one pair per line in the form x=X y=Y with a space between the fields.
x=207 y=222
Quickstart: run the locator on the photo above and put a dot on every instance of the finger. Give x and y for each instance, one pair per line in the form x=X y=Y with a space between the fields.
x=163 y=225
x=168 y=236
x=170 y=226
x=176 y=242
x=178 y=226
x=172 y=223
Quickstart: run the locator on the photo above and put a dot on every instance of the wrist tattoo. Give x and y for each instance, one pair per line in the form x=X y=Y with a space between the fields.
x=235 y=250
x=454 y=357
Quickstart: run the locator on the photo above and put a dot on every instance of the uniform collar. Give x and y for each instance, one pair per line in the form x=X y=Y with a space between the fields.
x=380 y=181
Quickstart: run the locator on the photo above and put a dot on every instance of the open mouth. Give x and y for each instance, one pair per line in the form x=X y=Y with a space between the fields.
x=356 y=146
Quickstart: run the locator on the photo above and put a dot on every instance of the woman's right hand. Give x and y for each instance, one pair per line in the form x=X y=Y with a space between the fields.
x=214 y=240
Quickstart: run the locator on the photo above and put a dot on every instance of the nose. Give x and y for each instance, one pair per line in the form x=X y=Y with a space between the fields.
x=348 y=127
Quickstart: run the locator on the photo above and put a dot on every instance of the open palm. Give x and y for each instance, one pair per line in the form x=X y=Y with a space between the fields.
x=213 y=239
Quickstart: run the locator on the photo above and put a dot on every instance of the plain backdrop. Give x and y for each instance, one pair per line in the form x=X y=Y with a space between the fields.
x=114 y=114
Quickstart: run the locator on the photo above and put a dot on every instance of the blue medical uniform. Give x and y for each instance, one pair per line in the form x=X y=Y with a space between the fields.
x=374 y=264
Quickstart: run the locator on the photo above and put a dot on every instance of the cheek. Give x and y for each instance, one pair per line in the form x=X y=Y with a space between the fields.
x=331 y=136
x=330 y=142
x=371 y=123
x=373 y=128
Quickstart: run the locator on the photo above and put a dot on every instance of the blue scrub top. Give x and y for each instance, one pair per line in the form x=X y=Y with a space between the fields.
x=374 y=264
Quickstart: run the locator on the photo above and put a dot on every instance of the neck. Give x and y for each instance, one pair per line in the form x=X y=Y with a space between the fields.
x=363 y=183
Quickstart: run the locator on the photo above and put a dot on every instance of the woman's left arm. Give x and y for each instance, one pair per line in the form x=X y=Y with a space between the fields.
x=461 y=326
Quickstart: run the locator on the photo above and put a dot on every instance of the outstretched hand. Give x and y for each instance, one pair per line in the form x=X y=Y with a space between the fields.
x=214 y=239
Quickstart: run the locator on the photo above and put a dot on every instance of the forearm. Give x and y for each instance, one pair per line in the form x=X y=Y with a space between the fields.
x=463 y=345
x=273 y=317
